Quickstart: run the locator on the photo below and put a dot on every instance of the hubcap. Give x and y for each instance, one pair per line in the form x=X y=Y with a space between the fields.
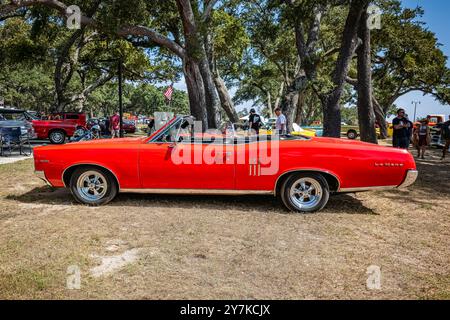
x=306 y=193
x=57 y=137
x=92 y=186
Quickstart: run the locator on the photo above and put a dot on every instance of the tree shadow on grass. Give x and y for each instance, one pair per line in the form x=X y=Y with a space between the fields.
x=338 y=204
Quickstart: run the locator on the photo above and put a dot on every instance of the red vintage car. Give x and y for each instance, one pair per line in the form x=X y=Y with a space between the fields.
x=54 y=130
x=303 y=171
x=58 y=126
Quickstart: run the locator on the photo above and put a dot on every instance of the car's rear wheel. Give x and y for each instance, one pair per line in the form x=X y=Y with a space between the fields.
x=305 y=192
x=93 y=186
x=57 y=137
x=352 y=134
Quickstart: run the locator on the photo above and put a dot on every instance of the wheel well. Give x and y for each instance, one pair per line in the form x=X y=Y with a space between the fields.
x=332 y=180
x=67 y=174
x=57 y=129
x=352 y=130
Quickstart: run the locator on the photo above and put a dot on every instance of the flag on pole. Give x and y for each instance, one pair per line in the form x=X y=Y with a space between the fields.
x=169 y=92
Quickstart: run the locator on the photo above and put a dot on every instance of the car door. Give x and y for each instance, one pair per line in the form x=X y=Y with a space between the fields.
x=257 y=165
x=187 y=165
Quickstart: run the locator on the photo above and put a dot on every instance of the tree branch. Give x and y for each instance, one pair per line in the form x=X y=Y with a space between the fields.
x=87 y=21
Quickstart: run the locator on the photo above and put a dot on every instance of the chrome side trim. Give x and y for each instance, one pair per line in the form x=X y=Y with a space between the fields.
x=41 y=175
x=303 y=170
x=363 y=189
x=88 y=164
x=410 y=179
x=214 y=192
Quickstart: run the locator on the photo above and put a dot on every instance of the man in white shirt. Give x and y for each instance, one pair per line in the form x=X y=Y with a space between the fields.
x=281 y=124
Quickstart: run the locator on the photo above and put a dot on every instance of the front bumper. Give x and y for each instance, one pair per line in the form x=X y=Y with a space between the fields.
x=411 y=177
x=41 y=175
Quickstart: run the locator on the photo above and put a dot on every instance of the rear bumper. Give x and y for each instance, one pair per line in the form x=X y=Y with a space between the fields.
x=410 y=179
x=41 y=175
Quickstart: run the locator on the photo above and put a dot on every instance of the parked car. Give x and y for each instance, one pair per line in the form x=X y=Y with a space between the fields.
x=10 y=118
x=78 y=118
x=352 y=132
x=55 y=130
x=129 y=126
x=305 y=173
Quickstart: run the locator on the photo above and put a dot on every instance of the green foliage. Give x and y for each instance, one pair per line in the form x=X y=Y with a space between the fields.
x=142 y=98
x=407 y=56
x=254 y=49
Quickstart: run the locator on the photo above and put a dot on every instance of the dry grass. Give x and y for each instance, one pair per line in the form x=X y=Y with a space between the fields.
x=226 y=248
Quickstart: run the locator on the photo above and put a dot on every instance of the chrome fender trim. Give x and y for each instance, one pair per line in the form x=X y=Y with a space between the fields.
x=214 y=192
x=306 y=170
x=364 y=189
x=89 y=164
x=410 y=179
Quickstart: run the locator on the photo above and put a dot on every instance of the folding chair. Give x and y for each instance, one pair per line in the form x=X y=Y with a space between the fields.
x=13 y=139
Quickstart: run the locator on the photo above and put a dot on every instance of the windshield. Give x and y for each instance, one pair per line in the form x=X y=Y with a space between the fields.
x=177 y=130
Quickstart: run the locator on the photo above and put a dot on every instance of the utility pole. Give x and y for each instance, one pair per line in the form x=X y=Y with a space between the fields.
x=415 y=103
x=120 y=96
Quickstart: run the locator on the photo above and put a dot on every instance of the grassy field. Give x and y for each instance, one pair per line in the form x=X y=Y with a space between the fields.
x=186 y=247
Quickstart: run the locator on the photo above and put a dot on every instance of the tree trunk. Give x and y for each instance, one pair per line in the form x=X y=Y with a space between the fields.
x=330 y=102
x=300 y=108
x=193 y=64
x=366 y=115
x=61 y=78
x=380 y=117
x=225 y=99
x=289 y=106
x=278 y=99
x=196 y=91
x=291 y=98
x=211 y=98
x=224 y=96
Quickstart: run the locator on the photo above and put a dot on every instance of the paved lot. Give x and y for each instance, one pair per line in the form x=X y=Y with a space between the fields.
x=175 y=247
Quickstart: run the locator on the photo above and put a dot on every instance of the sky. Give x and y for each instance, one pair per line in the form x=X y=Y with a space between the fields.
x=437 y=19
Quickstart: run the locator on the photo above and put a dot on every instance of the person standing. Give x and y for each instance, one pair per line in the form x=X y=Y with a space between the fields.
x=254 y=121
x=410 y=129
x=445 y=134
x=281 y=124
x=422 y=138
x=114 y=125
x=401 y=126
x=151 y=126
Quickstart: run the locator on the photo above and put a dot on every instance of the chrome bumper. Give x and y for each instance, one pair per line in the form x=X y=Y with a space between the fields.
x=411 y=177
x=41 y=175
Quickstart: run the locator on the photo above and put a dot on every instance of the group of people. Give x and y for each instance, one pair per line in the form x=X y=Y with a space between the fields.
x=255 y=122
x=405 y=133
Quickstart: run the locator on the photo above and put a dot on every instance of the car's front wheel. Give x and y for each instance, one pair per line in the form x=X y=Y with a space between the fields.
x=93 y=186
x=305 y=192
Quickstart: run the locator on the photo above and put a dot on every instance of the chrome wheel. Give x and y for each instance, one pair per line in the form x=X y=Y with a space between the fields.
x=92 y=186
x=57 y=137
x=306 y=193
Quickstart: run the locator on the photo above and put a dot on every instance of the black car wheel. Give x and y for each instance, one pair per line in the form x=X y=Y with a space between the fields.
x=352 y=134
x=57 y=137
x=305 y=192
x=93 y=186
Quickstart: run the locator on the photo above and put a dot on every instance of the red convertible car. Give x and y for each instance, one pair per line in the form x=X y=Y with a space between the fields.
x=302 y=171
